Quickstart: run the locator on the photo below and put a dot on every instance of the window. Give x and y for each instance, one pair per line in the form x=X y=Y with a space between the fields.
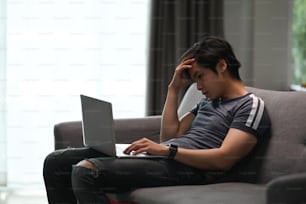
x=299 y=43
x=2 y=95
x=57 y=50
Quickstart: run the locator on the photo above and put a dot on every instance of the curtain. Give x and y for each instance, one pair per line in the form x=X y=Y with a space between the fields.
x=175 y=26
x=261 y=38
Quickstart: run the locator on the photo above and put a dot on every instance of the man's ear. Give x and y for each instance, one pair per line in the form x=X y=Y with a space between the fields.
x=221 y=66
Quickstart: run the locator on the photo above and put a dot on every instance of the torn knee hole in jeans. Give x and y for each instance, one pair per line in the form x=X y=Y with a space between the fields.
x=87 y=164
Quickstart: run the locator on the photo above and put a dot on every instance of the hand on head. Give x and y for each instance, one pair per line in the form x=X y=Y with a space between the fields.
x=181 y=77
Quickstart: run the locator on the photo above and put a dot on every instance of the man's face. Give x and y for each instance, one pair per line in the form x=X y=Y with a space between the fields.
x=208 y=82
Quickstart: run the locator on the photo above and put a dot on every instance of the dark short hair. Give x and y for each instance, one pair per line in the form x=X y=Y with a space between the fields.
x=210 y=50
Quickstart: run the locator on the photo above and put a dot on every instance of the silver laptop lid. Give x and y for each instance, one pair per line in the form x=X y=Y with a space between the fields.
x=98 y=125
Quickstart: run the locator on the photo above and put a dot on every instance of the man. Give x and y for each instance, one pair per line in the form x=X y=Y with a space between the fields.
x=221 y=130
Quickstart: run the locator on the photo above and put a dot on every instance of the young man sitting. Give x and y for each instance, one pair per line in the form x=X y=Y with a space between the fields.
x=221 y=130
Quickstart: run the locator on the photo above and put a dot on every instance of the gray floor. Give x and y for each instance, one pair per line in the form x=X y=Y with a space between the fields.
x=22 y=196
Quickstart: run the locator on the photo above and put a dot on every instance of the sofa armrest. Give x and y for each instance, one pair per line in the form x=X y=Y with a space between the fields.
x=287 y=189
x=69 y=134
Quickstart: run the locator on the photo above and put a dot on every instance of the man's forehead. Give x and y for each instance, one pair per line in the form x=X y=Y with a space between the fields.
x=194 y=69
x=195 y=66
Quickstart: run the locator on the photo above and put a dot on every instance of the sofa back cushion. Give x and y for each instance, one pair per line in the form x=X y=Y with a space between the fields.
x=190 y=100
x=284 y=151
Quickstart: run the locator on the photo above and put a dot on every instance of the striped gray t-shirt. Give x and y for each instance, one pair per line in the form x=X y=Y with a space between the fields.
x=213 y=119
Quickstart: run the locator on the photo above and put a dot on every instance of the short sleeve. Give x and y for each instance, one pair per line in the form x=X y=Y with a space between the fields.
x=252 y=117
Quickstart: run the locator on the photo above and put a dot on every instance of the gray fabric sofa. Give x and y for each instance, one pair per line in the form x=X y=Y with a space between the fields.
x=274 y=174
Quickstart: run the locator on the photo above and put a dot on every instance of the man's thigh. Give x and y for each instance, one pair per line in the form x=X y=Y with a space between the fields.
x=127 y=172
x=64 y=159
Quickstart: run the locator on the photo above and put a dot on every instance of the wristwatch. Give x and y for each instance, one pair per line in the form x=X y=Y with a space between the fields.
x=173 y=151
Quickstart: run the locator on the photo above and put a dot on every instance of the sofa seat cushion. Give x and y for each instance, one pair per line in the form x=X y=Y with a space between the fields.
x=222 y=193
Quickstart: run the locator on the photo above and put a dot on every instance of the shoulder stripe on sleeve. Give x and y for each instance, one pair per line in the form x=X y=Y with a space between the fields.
x=256 y=112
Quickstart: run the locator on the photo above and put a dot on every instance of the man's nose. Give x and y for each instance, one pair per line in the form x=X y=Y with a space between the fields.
x=199 y=86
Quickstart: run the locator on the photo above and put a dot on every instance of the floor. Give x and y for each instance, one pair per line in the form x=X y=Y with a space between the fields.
x=22 y=196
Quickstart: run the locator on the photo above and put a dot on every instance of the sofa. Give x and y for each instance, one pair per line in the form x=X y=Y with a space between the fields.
x=275 y=173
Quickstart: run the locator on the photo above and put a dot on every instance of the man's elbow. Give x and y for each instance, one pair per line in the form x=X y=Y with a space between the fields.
x=225 y=164
x=225 y=167
x=168 y=132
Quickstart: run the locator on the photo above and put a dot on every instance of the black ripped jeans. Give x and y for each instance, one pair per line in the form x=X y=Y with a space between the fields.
x=67 y=183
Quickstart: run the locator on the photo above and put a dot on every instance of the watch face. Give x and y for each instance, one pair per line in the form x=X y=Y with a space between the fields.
x=173 y=145
x=173 y=151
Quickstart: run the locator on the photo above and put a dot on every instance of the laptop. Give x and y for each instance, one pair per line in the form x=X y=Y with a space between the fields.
x=98 y=129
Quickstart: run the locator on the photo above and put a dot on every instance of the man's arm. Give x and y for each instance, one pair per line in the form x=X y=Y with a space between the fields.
x=236 y=145
x=171 y=125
